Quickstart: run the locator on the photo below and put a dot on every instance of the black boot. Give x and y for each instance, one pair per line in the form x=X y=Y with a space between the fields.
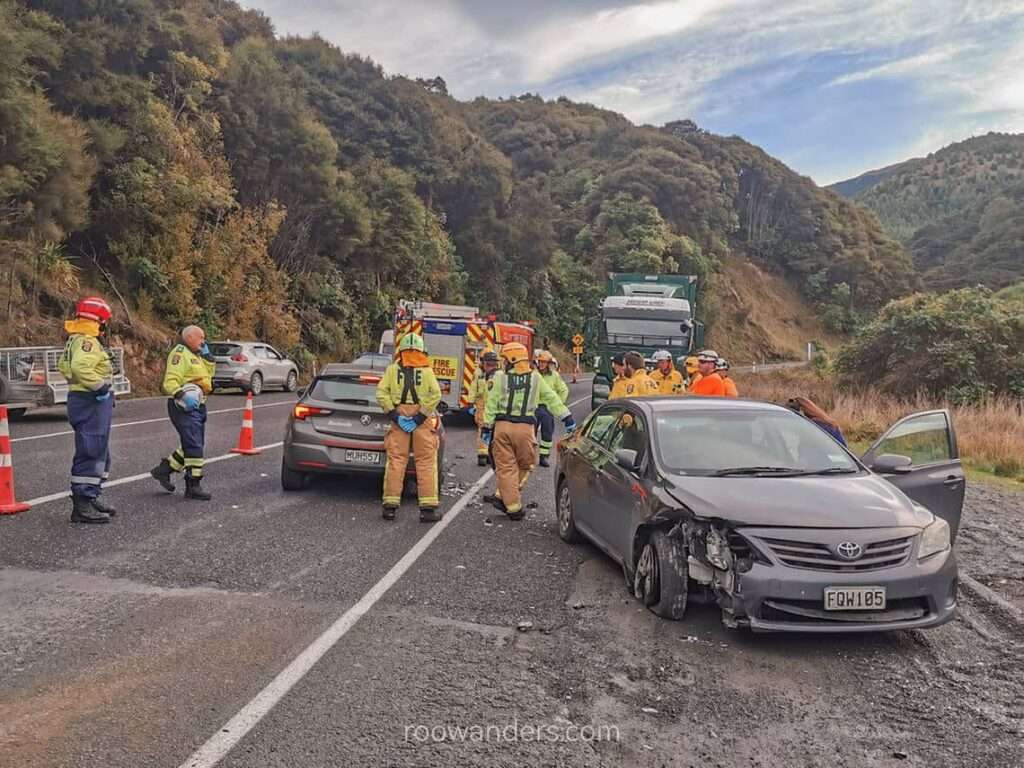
x=516 y=515
x=430 y=514
x=388 y=513
x=481 y=461
x=82 y=511
x=492 y=499
x=544 y=461
x=194 y=489
x=162 y=474
x=106 y=509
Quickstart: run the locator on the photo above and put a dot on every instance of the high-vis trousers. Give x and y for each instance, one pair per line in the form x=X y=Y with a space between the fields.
x=482 y=449
x=91 y=421
x=191 y=428
x=546 y=422
x=514 y=452
x=423 y=442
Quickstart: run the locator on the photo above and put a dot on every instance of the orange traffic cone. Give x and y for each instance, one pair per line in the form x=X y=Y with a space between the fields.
x=245 y=440
x=8 y=506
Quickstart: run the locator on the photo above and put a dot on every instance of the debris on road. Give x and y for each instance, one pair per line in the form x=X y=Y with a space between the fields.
x=524 y=626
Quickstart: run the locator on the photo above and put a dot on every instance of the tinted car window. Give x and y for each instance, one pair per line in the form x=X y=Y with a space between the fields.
x=220 y=349
x=703 y=442
x=599 y=427
x=631 y=434
x=924 y=439
x=345 y=389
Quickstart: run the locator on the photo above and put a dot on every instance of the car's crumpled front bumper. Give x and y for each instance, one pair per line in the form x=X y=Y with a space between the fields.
x=775 y=597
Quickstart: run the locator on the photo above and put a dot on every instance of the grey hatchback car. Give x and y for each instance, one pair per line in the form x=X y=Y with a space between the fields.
x=755 y=508
x=252 y=366
x=337 y=427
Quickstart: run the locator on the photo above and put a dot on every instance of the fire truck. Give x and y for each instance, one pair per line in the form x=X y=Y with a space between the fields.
x=455 y=336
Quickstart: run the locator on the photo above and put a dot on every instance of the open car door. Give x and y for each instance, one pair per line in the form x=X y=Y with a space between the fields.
x=934 y=476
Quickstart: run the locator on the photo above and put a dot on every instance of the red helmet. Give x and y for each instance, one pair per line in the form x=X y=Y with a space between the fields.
x=94 y=308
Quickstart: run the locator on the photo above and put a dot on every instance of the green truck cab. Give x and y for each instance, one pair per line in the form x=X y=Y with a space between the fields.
x=643 y=313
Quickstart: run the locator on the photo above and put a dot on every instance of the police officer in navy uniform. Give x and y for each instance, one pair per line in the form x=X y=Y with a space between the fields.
x=86 y=365
x=187 y=381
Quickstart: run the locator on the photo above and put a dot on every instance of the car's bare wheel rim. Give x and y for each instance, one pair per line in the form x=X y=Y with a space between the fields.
x=564 y=510
x=645 y=580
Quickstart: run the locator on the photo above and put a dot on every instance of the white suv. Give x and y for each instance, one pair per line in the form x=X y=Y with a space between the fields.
x=252 y=365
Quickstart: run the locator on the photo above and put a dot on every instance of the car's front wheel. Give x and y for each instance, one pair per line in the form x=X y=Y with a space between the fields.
x=661 y=577
x=256 y=383
x=292 y=480
x=292 y=382
x=566 y=520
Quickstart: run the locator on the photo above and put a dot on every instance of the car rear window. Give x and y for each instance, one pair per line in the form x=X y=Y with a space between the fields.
x=356 y=390
x=220 y=349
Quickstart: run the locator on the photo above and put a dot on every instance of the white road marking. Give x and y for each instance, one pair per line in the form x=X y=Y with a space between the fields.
x=144 y=476
x=577 y=402
x=148 y=421
x=235 y=729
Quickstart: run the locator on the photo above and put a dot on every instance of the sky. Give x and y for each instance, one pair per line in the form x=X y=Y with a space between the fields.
x=831 y=87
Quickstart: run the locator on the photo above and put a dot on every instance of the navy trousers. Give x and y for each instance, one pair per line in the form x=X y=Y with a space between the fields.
x=546 y=423
x=91 y=421
x=191 y=428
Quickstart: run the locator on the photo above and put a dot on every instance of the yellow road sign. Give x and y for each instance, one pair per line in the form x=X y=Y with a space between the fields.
x=577 y=350
x=577 y=340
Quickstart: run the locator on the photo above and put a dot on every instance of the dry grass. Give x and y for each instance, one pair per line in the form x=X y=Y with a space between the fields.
x=990 y=435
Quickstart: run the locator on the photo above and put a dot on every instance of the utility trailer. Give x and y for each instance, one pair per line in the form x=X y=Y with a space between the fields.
x=30 y=378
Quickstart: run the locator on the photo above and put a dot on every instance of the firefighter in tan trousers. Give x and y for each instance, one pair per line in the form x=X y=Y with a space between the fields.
x=409 y=394
x=509 y=424
x=482 y=382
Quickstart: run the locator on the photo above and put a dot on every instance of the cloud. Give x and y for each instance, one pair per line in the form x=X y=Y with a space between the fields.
x=789 y=75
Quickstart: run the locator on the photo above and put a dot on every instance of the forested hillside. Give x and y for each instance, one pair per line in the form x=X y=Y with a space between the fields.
x=960 y=211
x=180 y=157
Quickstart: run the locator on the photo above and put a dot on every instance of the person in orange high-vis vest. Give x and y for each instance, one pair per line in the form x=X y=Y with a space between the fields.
x=722 y=369
x=709 y=384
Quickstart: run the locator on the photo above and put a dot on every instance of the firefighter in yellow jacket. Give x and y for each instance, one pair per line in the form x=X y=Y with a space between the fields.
x=86 y=365
x=188 y=379
x=547 y=367
x=510 y=421
x=482 y=381
x=669 y=380
x=409 y=394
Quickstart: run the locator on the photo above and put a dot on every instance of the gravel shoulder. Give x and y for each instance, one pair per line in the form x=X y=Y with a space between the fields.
x=990 y=545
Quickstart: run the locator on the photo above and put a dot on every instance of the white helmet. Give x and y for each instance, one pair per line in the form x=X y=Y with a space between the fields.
x=721 y=364
x=191 y=397
x=662 y=354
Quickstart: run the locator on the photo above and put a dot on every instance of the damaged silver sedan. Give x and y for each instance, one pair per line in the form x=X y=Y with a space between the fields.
x=755 y=508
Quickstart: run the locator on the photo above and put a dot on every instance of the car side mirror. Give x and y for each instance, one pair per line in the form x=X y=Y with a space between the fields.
x=892 y=464
x=627 y=459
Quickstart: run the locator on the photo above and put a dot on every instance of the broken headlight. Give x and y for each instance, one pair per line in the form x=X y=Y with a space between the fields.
x=717 y=549
x=934 y=539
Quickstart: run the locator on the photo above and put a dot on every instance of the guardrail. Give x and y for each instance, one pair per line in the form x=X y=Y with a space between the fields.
x=767 y=367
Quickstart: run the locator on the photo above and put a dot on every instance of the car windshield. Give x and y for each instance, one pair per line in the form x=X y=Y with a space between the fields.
x=644 y=332
x=373 y=360
x=221 y=349
x=356 y=390
x=747 y=442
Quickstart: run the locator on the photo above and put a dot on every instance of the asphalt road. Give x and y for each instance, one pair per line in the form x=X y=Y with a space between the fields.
x=139 y=642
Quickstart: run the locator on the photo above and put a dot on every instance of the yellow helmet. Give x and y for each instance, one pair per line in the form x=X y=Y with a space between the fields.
x=691 y=364
x=514 y=352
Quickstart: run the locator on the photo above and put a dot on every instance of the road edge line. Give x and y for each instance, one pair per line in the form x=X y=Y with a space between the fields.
x=234 y=730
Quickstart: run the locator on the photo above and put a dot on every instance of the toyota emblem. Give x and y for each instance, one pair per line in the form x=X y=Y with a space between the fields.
x=849 y=550
x=365 y=419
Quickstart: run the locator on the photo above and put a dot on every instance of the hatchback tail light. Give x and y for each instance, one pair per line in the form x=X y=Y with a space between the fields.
x=369 y=379
x=239 y=358
x=301 y=412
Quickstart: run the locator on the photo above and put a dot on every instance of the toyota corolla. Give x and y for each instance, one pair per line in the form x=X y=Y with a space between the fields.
x=755 y=508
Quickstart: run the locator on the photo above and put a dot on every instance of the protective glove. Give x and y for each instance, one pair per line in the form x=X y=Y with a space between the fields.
x=407 y=423
x=486 y=434
x=204 y=352
x=394 y=415
x=570 y=424
x=472 y=410
x=419 y=418
x=102 y=397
